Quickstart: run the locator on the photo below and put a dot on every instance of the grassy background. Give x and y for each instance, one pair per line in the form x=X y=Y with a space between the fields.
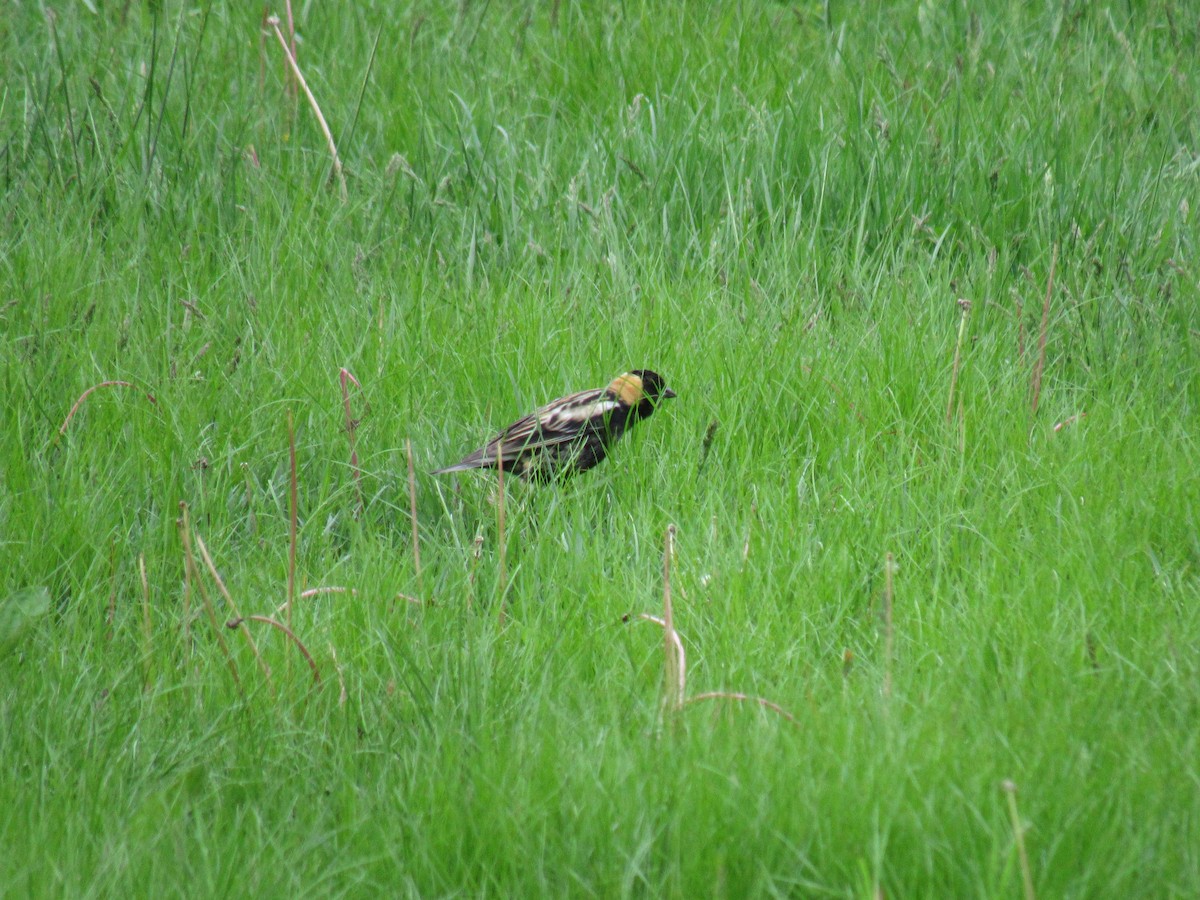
x=776 y=206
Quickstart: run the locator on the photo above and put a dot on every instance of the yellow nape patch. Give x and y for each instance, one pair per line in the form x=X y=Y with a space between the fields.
x=628 y=389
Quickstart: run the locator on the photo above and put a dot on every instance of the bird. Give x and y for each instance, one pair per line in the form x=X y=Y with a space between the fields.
x=571 y=434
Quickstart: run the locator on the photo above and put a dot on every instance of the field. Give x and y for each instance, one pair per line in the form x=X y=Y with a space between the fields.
x=926 y=283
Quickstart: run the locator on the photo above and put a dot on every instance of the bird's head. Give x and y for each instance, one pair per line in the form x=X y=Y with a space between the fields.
x=641 y=389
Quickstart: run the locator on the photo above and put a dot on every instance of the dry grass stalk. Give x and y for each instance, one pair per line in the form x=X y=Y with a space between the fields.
x=146 y=629
x=62 y=429
x=112 y=591
x=749 y=527
x=291 y=33
x=476 y=552
x=250 y=499
x=677 y=685
x=675 y=672
x=337 y=668
x=317 y=592
x=888 y=632
x=1020 y=330
x=292 y=503
x=1040 y=365
x=275 y=623
x=745 y=698
x=345 y=377
x=412 y=506
x=193 y=577
x=501 y=588
x=679 y=676
x=1014 y=815
x=273 y=21
x=220 y=582
x=833 y=385
x=1070 y=420
x=965 y=306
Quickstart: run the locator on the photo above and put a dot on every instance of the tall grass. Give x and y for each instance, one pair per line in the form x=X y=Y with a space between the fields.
x=953 y=589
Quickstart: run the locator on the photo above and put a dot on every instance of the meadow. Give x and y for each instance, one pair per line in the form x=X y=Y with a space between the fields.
x=925 y=280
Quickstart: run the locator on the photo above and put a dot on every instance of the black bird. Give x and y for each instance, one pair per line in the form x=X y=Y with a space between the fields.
x=570 y=434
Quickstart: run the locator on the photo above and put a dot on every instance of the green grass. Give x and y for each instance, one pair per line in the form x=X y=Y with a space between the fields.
x=776 y=206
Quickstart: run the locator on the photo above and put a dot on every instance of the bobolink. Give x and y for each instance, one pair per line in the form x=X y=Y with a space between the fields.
x=570 y=434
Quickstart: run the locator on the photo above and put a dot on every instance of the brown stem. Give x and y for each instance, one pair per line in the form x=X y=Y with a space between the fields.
x=888 y=594
x=185 y=533
x=412 y=506
x=62 y=429
x=351 y=424
x=1014 y=815
x=273 y=21
x=730 y=695
x=965 y=306
x=146 y=628
x=1041 y=360
x=274 y=623
x=292 y=504
x=500 y=534
x=220 y=582
x=675 y=673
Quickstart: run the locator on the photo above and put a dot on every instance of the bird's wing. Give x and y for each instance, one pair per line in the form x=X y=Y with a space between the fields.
x=555 y=423
x=558 y=422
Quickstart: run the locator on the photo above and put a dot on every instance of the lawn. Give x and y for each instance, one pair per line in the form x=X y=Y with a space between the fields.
x=926 y=283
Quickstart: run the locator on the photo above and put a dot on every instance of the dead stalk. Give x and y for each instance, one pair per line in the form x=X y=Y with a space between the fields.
x=275 y=623
x=476 y=552
x=273 y=21
x=672 y=636
x=745 y=698
x=1020 y=330
x=675 y=673
x=749 y=526
x=412 y=506
x=193 y=574
x=292 y=503
x=317 y=592
x=62 y=429
x=112 y=591
x=337 y=668
x=291 y=33
x=1010 y=789
x=147 y=641
x=888 y=634
x=220 y=582
x=500 y=533
x=1040 y=365
x=965 y=306
x=1070 y=420
x=841 y=394
x=250 y=499
x=351 y=424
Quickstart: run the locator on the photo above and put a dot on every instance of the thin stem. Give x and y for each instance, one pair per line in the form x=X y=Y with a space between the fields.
x=965 y=306
x=1014 y=815
x=500 y=534
x=220 y=582
x=1039 y=366
x=675 y=673
x=185 y=533
x=292 y=503
x=346 y=377
x=273 y=21
x=274 y=623
x=412 y=506
x=888 y=633
x=62 y=429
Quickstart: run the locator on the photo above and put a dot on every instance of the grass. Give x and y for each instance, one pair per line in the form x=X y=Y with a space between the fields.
x=775 y=205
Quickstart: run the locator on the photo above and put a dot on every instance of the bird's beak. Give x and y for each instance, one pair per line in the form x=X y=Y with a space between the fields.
x=668 y=394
